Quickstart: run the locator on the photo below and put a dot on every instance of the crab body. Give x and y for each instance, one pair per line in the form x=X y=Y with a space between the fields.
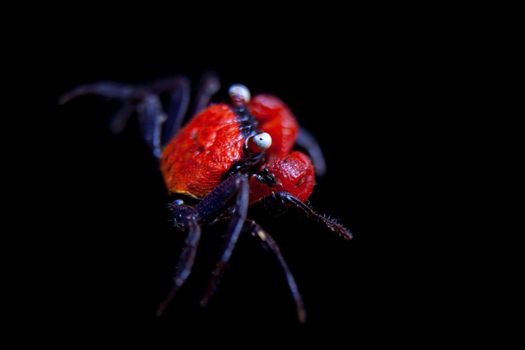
x=226 y=158
x=199 y=156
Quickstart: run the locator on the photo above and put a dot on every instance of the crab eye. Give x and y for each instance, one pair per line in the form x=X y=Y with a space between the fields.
x=239 y=93
x=259 y=142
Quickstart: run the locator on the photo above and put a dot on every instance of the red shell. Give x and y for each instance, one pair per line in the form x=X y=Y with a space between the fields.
x=194 y=162
x=275 y=118
x=295 y=173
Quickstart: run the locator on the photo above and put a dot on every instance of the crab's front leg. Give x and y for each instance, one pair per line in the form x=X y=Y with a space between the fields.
x=284 y=200
x=235 y=184
x=189 y=218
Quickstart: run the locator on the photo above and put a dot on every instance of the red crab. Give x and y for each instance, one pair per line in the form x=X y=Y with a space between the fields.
x=226 y=158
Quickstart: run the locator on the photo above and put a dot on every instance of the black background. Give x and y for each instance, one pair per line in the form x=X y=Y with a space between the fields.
x=373 y=99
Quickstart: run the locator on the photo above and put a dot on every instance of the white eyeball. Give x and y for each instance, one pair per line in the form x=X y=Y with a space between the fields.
x=260 y=142
x=239 y=93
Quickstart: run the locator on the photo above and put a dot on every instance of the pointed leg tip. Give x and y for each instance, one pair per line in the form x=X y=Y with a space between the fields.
x=343 y=232
x=204 y=302
x=302 y=317
x=62 y=100
x=160 y=310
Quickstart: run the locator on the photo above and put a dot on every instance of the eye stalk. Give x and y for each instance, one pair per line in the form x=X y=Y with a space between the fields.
x=239 y=94
x=259 y=143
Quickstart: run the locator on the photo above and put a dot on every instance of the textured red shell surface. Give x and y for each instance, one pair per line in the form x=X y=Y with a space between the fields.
x=294 y=171
x=275 y=118
x=194 y=162
x=295 y=174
